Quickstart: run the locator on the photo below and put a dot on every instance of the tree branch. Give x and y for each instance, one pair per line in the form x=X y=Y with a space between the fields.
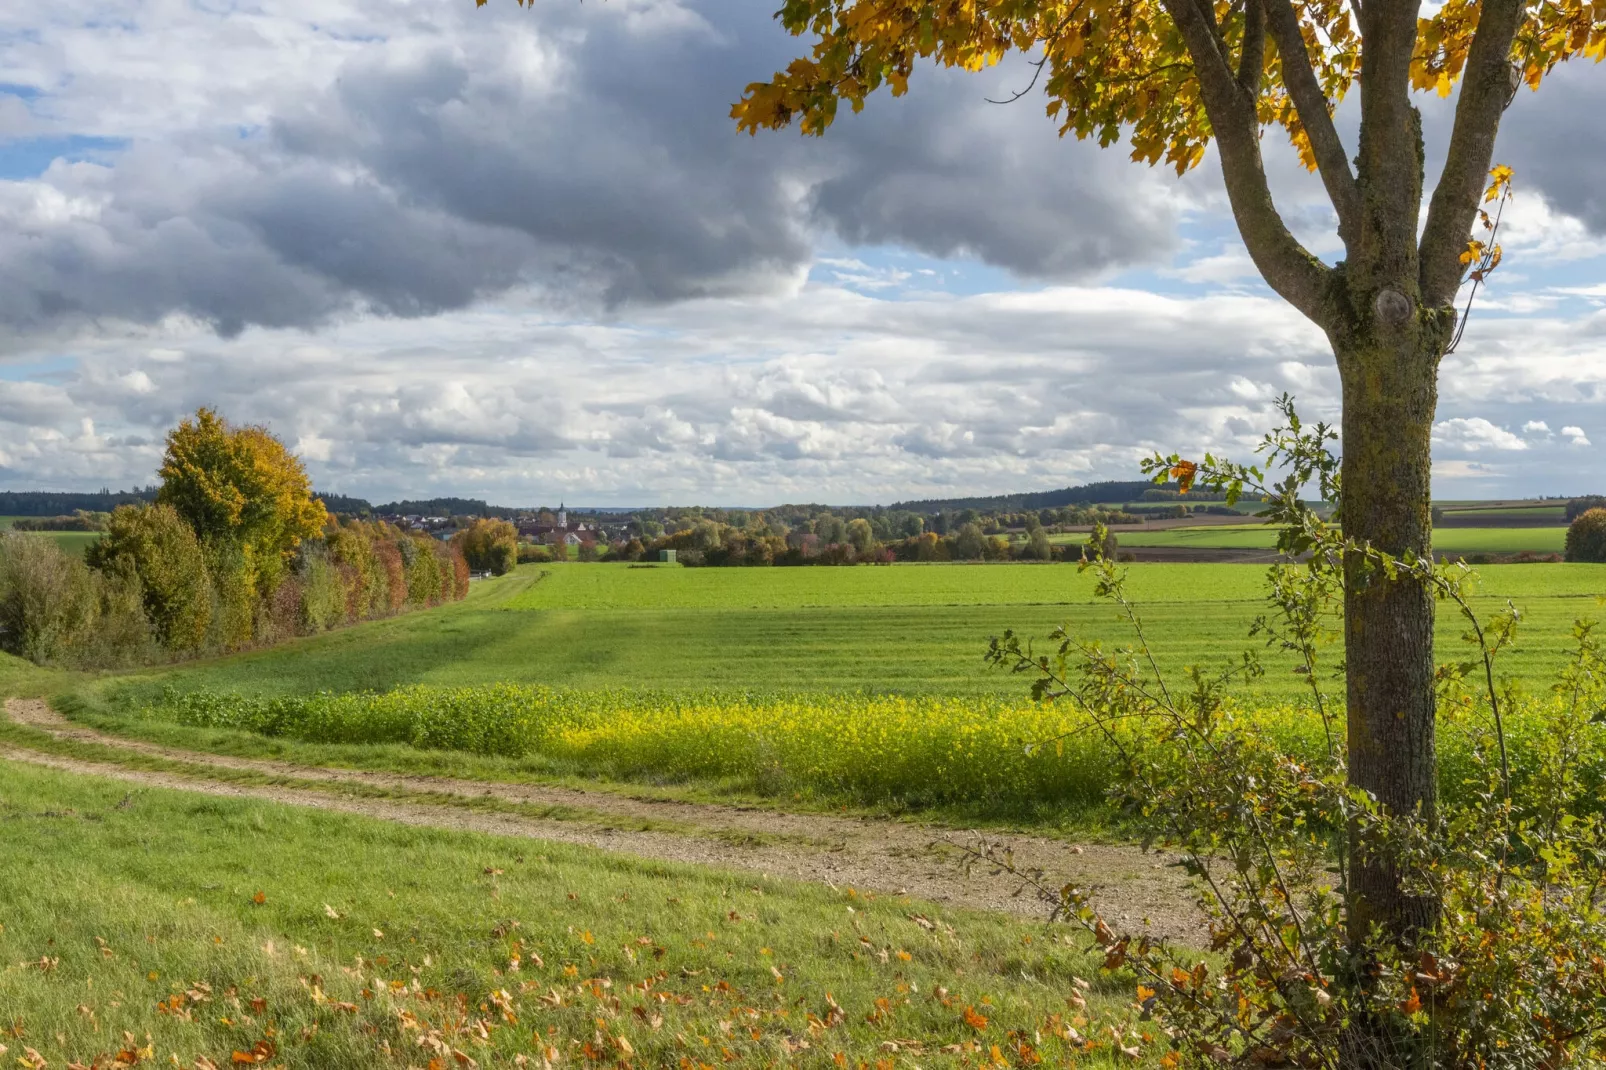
x=1252 y=59
x=1390 y=155
x=1485 y=92
x=1288 y=268
x=1300 y=79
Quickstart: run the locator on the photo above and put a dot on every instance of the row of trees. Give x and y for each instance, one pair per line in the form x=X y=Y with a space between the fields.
x=235 y=551
x=491 y=545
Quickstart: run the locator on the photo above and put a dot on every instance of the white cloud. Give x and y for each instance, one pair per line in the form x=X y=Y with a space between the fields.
x=523 y=254
x=1473 y=434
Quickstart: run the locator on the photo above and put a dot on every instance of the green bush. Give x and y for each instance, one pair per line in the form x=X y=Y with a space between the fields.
x=54 y=609
x=1586 y=537
x=422 y=567
x=234 y=595
x=48 y=602
x=323 y=595
x=153 y=546
x=533 y=553
x=503 y=557
x=489 y=546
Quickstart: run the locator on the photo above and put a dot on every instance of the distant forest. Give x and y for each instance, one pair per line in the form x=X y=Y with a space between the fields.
x=1090 y=494
x=56 y=503
x=66 y=503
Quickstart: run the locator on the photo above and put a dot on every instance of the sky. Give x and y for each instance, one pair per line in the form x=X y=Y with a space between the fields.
x=524 y=255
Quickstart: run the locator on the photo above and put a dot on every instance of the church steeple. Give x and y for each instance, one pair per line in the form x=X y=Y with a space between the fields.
x=563 y=517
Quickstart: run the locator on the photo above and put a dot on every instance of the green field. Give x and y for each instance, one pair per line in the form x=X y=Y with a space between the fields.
x=811 y=688
x=1557 y=512
x=74 y=541
x=1491 y=540
x=915 y=629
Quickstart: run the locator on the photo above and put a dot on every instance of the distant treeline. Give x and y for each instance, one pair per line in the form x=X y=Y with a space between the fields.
x=51 y=503
x=56 y=503
x=436 y=507
x=1108 y=491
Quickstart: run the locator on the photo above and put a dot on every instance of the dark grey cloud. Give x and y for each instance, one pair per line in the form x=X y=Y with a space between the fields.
x=584 y=151
x=1552 y=139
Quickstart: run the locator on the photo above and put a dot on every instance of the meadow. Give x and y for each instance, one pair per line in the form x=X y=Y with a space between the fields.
x=218 y=927
x=147 y=926
x=1468 y=540
x=74 y=541
x=905 y=629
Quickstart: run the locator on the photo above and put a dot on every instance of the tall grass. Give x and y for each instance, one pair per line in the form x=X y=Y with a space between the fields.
x=985 y=754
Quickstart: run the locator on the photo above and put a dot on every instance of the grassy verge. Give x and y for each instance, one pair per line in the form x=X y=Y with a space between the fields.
x=178 y=928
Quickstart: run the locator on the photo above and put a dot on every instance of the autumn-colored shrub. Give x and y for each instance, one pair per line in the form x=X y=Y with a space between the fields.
x=423 y=569
x=394 y=570
x=154 y=547
x=279 y=615
x=48 y=603
x=323 y=595
x=352 y=551
x=460 y=572
x=489 y=546
x=234 y=596
x=1586 y=537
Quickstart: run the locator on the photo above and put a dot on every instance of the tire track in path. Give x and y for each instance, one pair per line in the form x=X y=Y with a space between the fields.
x=885 y=856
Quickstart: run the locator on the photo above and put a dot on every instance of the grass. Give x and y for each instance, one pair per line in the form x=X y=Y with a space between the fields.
x=175 y=928
x=1495 y=512
x=72 y=541
x=913 y=630
x=1041 y=763
x=1496 y=540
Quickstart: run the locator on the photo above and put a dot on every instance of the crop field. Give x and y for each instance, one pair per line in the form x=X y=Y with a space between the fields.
x=76 y=541
x=917 y=629
x=863 y=685
x=1526 y=512
x=990 y=758
x=1495 y=540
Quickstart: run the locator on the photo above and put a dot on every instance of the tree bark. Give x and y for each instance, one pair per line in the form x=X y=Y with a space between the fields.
x=1389 y=371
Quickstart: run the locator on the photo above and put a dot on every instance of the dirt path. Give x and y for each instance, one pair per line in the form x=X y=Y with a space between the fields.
x=867 y=853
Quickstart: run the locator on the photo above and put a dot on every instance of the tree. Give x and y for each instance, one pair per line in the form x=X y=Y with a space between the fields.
x=240 y=487
x=969 y=544
x=1579 y=506
x=152 y=545
x=490 y=546
x=1173 y=74
x=1038 y=548
x=1586 y=537
x=860 y=535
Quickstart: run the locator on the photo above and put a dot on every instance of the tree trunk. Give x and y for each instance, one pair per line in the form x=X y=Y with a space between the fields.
x=1390 y=393
x=1390 y=387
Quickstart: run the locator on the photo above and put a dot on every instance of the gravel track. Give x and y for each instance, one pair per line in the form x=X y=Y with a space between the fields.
x=886 y=856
